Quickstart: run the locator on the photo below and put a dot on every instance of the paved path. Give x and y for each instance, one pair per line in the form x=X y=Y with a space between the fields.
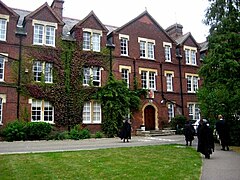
x=223 y=165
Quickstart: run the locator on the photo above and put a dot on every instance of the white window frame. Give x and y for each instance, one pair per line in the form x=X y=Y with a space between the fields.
x=146 y=47
x=190 y=55
x=125 y=73
x=43 y=108
x=170 y=111
x=192 y=82
x=167 y=51
x=92 y=113
x=2 y=101
x=92 y=75
x=194 y=111
x=2 y=66
x=148 y=78
x=124 y=44
x=45 y=69
x=4 y=19
x=169 y=80
x=46 y=37
x=92 y=41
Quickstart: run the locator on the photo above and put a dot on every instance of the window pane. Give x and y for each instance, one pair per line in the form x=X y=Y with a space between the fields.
x=170 y=111
x=3 y=29
x=96 y=76
x=86 y=40
x=1 y=68
x=152 y=80
x=189 y=83
x=38 y=34
x=124 y=50
x=169 y=82
x=86 y=75
x=1 y=108
x=36 y=110
x=96 y=42
x=48 y=112
x=144 y=79
x=125 y=76
x=150 y=50
x=167 y=53
x=50 y=35
x=142 y=49
x=193 y=57
x=96 y=112
x=87 y=112
x=37 y=71
x=48 y=72
x=187 y=56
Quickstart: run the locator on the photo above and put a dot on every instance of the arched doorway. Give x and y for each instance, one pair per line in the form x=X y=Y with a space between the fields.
x=149 y=117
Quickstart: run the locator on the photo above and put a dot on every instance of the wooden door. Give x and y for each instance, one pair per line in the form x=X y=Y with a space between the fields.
x=149 y=118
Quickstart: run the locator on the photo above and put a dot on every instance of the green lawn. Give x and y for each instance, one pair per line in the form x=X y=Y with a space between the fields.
x=146 y=162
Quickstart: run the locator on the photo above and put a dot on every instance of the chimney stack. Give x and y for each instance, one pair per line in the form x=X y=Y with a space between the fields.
x=57 y=7
x=175 y=31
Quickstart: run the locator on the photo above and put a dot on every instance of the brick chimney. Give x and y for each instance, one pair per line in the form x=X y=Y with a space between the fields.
x=57 y=7
x=175 y=31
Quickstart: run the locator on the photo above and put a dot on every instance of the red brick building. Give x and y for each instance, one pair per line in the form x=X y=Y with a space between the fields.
x=163 y=61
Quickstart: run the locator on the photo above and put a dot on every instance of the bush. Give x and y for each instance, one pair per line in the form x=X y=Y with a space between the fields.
x=98 y=134
x=60 y=135
x=15 y=131
x=77 y=133
x=177 y=123
x=37 y=130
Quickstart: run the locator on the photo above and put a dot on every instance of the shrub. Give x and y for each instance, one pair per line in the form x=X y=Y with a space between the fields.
x=77 y=133
x=98 y=134
x=177 y=123
x=15 y=131
x=38 y=130
x=61 y=135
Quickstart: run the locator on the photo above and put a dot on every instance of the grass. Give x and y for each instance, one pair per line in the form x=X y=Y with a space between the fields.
x=146 y=162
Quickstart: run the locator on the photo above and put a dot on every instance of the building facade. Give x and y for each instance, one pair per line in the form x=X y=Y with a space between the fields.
x=164 y=61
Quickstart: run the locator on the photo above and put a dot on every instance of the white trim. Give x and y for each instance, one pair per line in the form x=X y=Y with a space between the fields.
x=123 y=36
x=4 y=98
x=92 y=31
x=190 y=48
x=167 y=44
x=149 y=70
x=44 y=23
x=125 y=67
x=4 y=16
x=146 y=40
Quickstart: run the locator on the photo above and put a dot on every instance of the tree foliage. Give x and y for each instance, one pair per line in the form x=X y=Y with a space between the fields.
x=220 y=92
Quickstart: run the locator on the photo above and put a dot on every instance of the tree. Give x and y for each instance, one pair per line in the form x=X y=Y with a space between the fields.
x=220 y=92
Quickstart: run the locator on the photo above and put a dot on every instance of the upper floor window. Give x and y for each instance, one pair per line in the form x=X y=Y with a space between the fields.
x=2 y=67
x=167 y=50
x=170 y=111
x=92 y=76
x=146 y=48
x=125 y=71
x=169 y=80
x=194 y=111
x=3 y=27
x=42 y=111
x=92 y=112
x=190 y=55
x=91 y=39
x=43 y=69
x=124 y=44
x=148 y=78
x=192 y=82
x=44 y=33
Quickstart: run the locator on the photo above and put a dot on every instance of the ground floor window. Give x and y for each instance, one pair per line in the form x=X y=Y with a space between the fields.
x=92 y=112
x=194 y=111
x=1 y=107
x=42 y=111
x=170 y=111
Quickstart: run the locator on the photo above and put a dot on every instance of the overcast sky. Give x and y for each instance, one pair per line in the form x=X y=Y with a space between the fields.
x=189 y=13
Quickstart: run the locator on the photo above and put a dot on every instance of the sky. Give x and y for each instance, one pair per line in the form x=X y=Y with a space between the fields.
x=189 y=13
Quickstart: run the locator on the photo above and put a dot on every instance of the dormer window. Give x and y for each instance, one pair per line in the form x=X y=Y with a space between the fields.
x=190 y=55
x=124 y=44
x=91 y=40
x=44 y=33
x=167 y=51
x=3 y=27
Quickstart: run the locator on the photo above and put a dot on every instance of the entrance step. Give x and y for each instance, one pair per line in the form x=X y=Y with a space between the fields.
x=152 y=133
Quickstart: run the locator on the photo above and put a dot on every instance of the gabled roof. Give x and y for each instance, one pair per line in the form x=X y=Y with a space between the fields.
x=10 y=10
x=87 y=17
x=181 y=40
x=204 y=46
x=45 y=5
x=145 y=13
